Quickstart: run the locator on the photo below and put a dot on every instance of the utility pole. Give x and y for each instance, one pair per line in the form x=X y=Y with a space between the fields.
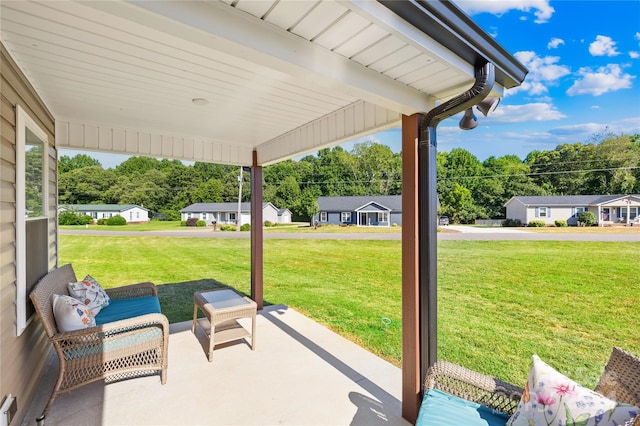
x=239 y=198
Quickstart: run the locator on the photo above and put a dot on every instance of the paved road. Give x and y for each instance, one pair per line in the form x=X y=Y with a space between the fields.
x=459 y=233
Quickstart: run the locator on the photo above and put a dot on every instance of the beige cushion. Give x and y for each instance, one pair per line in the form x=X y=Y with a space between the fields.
x=71 y=314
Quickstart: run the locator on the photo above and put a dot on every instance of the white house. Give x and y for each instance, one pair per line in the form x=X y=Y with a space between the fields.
x=131 y=212
x=227 y=213
x=609 y=209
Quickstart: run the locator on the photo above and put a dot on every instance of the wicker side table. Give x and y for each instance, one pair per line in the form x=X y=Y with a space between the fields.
x=221 y=309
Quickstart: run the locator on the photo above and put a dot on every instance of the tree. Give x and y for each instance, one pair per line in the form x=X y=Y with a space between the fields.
x=376 y=168
x=208 y=192
x=87 y=185
x=66 y=164
x=458 y=205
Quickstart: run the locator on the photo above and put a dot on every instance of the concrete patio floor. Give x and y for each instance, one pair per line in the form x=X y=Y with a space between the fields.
x=300 y=373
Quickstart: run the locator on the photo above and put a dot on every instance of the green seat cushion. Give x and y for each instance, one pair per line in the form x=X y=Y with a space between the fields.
x=120 y=309
x=441 y=409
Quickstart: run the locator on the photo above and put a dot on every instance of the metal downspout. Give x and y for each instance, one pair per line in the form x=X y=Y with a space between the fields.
x=428 y=210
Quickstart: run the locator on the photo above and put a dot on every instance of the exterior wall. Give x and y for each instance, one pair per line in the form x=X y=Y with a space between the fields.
x=269 y=213
x=135 y=215
x=396 y=218
x=517 y=210
x=23 y=358
x=285 y=217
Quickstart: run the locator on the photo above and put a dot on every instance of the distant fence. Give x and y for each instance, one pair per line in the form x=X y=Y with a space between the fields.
x=489 y=222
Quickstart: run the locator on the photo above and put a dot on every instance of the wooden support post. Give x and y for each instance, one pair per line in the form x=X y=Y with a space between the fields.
x=257 y=238
x=411 y=380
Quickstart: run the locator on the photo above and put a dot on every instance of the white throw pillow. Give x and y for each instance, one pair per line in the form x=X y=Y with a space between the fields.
x=89 y=292
x=71 y=314
x=551 y=398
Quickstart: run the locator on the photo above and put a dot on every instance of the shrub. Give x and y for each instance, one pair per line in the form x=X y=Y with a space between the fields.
x=511 y=222
x=561 y=223
x=201 y=223
x=228 y=228
x=68 y=218
x=394 y=224
x=537 y=224
x=587 y=218
x=268 y=223
x=183 y=223
x=245 y=227
x=86 y=220
x=192 y=221
x=102 y=221
x=116 y=220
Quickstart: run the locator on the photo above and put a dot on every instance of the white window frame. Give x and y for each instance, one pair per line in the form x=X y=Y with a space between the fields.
x=24 y=121
x=323 y=216
x=345 y=217
x=383 y=216
x=540 y=211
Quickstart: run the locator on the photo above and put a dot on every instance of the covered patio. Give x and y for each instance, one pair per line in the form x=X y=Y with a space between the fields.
x=300 y=374
x=244 y=83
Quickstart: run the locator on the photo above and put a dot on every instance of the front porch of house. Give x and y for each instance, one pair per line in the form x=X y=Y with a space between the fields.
x=300 y=373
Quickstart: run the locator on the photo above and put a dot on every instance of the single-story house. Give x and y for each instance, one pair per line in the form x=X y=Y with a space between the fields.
x=227 y=213
x=608 y=209
x=241 y=83
x=383 y=210
x=131 y=212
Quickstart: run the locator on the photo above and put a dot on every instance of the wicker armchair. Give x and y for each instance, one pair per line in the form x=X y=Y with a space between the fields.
x=115 y=351
x=620 y=381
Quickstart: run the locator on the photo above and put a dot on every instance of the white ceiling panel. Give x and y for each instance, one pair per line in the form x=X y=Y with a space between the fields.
x=273 y=72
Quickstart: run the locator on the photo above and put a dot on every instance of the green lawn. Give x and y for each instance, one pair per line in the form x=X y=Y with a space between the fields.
x=499 y=301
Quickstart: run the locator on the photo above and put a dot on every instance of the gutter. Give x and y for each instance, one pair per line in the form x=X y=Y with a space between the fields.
x=447 y=24
x=428 y=208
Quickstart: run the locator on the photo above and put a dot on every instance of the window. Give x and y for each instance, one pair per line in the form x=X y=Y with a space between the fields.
x=542 y=212
x=580 y=210
x=232 y=217
x=323 y=216
x=32 y=210
x=383 y=217
x=345 y=217
x=606 y=213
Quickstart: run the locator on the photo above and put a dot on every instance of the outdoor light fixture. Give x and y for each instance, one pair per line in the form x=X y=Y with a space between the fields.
x=488 y=105
x=469 y=121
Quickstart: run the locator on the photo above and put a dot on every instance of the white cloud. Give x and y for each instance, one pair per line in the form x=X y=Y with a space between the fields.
x=543 y=71
x=554 y=43
x=537 y=111
x=605 y=79
x=603 y=46
x=578 y=129
x=634 y=55
x=638 y=36
x=541 y=8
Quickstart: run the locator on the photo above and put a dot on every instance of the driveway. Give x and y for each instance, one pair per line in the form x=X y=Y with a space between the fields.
x=447 y=233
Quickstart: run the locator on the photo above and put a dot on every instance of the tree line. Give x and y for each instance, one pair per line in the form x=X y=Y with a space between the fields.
x=468 y=188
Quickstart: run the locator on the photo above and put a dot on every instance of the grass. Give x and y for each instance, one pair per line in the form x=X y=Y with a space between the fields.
x=499 y=301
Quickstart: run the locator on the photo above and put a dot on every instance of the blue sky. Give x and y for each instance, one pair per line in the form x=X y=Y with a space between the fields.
x=583 y=59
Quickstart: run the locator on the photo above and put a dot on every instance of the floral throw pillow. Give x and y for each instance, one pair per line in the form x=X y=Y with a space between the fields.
x=71 y=314
x=550 y=398
x=89 y=292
